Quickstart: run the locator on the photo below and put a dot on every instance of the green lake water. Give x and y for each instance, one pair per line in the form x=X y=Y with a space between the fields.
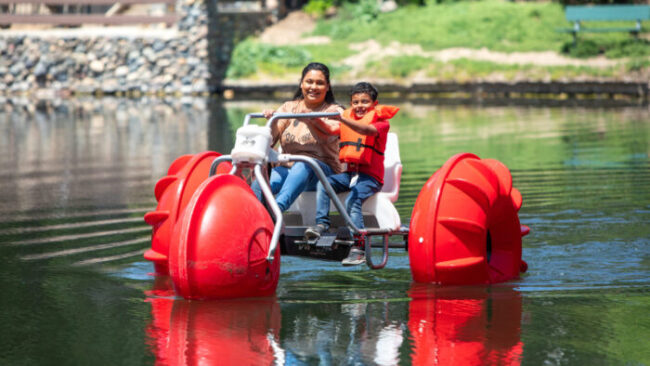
x=77 y=176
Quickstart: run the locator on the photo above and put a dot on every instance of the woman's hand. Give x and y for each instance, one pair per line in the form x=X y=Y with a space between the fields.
x=268 y=113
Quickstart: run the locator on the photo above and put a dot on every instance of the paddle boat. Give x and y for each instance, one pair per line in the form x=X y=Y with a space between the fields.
x=215 y=239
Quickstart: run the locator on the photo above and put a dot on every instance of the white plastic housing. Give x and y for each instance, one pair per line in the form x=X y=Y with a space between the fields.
x=252 y=144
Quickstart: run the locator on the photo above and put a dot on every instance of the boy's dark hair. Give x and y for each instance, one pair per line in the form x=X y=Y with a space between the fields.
x=367 y=88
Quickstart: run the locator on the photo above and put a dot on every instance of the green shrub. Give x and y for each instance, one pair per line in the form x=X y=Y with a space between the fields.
x=415 y=2
x=611 y=47
x=628 y=48
x=583 y=49
x=248 y=54
x=318 y=7
x=365 y=10
x=243 y=61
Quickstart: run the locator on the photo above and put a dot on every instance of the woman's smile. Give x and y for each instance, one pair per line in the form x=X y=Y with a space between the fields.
x=314 y=88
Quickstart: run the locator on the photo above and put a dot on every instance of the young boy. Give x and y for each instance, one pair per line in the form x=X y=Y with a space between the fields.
x=364 y=130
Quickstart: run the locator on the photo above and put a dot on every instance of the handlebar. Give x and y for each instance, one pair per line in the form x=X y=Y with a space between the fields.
x=289 y=115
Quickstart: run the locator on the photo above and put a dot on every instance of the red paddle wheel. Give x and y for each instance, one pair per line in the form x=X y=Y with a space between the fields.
x=219 y=246
x=464 y=226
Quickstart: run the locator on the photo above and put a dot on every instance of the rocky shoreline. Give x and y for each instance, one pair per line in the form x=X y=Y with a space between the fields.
x=112 y=60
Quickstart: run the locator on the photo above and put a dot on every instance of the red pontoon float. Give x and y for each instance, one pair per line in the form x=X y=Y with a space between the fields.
x=216 y=240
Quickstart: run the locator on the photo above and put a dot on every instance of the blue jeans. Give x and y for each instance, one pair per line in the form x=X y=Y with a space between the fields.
x=365 y=187
x=288 y=183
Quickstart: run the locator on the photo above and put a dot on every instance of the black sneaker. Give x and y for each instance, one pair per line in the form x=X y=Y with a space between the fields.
x=315 y=232
x=355 y=257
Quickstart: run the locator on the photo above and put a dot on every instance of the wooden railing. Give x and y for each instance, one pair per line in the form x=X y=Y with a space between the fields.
x=10 y=12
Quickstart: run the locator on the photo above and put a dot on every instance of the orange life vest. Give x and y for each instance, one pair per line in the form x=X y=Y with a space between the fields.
x=357 y=148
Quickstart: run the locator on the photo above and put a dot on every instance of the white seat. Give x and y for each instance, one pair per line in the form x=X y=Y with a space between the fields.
x=378 y=207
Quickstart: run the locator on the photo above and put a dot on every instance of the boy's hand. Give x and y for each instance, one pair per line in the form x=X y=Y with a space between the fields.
x=338 y=117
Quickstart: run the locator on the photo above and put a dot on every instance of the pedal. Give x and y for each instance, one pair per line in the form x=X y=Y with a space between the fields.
x=326 y=241
x=344 y=242
x=344 y=236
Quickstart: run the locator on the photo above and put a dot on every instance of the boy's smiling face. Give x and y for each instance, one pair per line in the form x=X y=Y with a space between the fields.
x=361 y=103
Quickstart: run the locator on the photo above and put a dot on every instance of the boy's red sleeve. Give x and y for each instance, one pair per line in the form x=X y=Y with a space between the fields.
x=382 y=126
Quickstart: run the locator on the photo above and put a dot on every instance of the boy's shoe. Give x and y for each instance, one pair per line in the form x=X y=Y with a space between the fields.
x=315 y=232
x=355 y=257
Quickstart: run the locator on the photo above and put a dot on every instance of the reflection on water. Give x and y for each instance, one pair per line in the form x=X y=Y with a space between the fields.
x=443 y=326
x=465 y=326
x=77 y=177
x=232 y=332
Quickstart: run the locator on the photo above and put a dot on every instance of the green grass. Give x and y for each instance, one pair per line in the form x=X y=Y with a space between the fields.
x=330 y=53
x=463 y=70
x=403 y=66
x=494 y=24
x=497 y=25
x=637 y=64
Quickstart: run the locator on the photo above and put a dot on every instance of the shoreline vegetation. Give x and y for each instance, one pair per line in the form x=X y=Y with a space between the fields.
x=457 y=41
x=464 y=48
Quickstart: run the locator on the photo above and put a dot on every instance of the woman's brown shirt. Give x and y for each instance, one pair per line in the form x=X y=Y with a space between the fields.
x=303 y=138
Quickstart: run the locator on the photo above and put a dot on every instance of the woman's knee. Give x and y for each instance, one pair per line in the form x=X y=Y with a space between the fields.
x=300 y=168
x=277 y=179
x=301 y=177
x=275 y=186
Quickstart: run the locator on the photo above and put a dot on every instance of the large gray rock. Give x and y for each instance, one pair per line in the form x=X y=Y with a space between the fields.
x=96 y=66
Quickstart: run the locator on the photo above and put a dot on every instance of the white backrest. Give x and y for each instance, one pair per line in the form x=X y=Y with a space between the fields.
x=379 y=205
x=392 y=168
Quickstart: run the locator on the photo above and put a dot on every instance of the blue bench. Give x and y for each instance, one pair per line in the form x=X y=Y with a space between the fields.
x=632 y=13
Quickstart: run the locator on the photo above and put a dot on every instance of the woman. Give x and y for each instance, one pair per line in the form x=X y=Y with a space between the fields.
x=315 y=137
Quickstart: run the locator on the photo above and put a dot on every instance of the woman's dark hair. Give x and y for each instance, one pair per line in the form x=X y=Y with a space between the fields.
x=329 y=96
x=364 y=88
